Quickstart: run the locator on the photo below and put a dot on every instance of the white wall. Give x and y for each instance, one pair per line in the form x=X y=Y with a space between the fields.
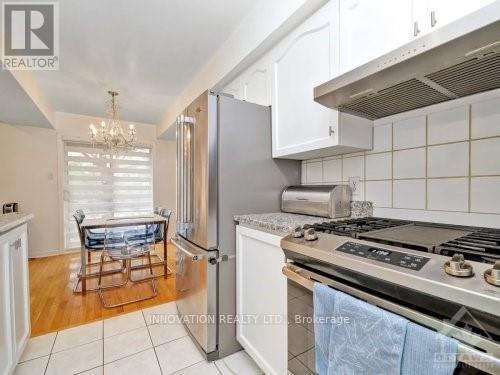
x=28 y=175
x=31 y=173
x=440 y=163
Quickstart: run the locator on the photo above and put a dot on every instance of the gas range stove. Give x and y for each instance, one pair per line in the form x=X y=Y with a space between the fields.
x=438 y=270
x=474 y=243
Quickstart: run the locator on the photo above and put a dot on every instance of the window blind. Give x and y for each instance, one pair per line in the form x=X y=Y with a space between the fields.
x=102 y=183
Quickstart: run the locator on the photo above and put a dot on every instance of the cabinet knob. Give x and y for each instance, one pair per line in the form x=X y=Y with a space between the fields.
x=433 y=18
x=331 y=131
x=416 y=30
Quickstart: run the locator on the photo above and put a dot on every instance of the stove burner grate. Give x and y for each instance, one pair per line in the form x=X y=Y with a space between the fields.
x=483 y=245
x=352 y=227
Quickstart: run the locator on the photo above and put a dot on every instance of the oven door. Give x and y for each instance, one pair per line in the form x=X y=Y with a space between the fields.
x=300 y=309
x=196 y=286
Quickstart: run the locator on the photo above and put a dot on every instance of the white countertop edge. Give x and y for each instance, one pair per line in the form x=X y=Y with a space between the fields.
x=13 y=220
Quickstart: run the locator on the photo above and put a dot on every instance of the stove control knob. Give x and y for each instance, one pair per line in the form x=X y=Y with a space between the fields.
x=298 y=232
x=492 y=275
x=310 y=235
x=457 y=266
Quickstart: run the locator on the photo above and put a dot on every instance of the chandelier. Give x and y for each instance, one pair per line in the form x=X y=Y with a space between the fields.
x=111 y=136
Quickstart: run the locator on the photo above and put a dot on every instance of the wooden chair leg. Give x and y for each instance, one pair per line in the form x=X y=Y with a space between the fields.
x=89 y=256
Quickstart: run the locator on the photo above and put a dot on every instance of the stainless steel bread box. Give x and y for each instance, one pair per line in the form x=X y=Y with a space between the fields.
x=317 y=200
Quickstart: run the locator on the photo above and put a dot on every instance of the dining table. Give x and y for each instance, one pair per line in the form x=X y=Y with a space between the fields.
x=113 y=221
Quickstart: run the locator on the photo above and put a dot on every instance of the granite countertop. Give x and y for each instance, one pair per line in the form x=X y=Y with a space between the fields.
x=278 y=221
x=284 y=223
x=10 y=221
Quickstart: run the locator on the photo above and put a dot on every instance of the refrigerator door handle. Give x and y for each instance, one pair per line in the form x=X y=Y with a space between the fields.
x=184 y=170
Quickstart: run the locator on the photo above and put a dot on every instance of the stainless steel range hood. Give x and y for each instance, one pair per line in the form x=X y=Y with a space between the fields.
x=460 y=59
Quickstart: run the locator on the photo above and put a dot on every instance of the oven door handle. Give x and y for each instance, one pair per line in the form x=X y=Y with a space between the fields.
x=191 y=255
x=489 y=363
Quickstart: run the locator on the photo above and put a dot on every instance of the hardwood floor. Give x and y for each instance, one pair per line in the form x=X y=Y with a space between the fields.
x=54 y=306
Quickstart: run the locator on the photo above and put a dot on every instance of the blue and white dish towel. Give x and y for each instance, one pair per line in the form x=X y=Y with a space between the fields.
x=354 y=337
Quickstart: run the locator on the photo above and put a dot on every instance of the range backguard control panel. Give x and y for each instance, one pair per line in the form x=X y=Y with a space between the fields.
x=410 y=261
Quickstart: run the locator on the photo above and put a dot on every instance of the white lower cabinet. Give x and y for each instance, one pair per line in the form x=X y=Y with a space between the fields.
x=15 y=326
x=261 y=299
x=6 y=356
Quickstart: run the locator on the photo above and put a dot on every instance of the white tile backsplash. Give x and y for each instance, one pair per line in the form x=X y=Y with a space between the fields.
x=379 y=166
x=379 y=192
x=409 y=163
x=409 y=133
x=382 y=138
x=409 y=194
x=303 y=173
x=314 y=171
x=446 y=161
x=484 y=194
x=485 y=156
x=448 y=194
x=448 y=126
x=485 y=119
x=450 y=160
x=332 y=170
x=353 y=167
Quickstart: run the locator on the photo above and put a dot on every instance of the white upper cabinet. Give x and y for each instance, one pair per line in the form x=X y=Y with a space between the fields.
x=370 y=28
x=303 y=60
x=256 y=83
x=433 y=14
x=302 y=128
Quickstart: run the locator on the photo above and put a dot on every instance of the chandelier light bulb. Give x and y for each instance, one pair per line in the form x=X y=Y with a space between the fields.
x=111 y=136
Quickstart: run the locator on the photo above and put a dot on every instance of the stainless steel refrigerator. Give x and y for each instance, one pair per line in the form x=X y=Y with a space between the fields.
x=224 y=168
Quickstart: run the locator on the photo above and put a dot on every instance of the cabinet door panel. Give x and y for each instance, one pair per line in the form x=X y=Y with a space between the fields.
x=261 y=293
x=20 y=294
x=6 y=355
x=371 y=28
x=301 y=62
x=447 y=11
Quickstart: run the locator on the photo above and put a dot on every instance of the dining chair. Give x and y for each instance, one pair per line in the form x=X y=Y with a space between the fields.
x=166 y=213
x=134 y=243
x=93 y=241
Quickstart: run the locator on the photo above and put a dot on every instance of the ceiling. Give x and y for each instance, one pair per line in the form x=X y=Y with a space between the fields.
x=16 y=106
x=146 y=50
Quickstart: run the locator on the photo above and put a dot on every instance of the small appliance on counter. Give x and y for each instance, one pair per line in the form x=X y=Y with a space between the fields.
x=332 y=201
x=10 y=207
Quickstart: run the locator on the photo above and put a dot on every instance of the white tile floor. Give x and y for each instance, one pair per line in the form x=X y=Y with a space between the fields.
x=128 y=344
